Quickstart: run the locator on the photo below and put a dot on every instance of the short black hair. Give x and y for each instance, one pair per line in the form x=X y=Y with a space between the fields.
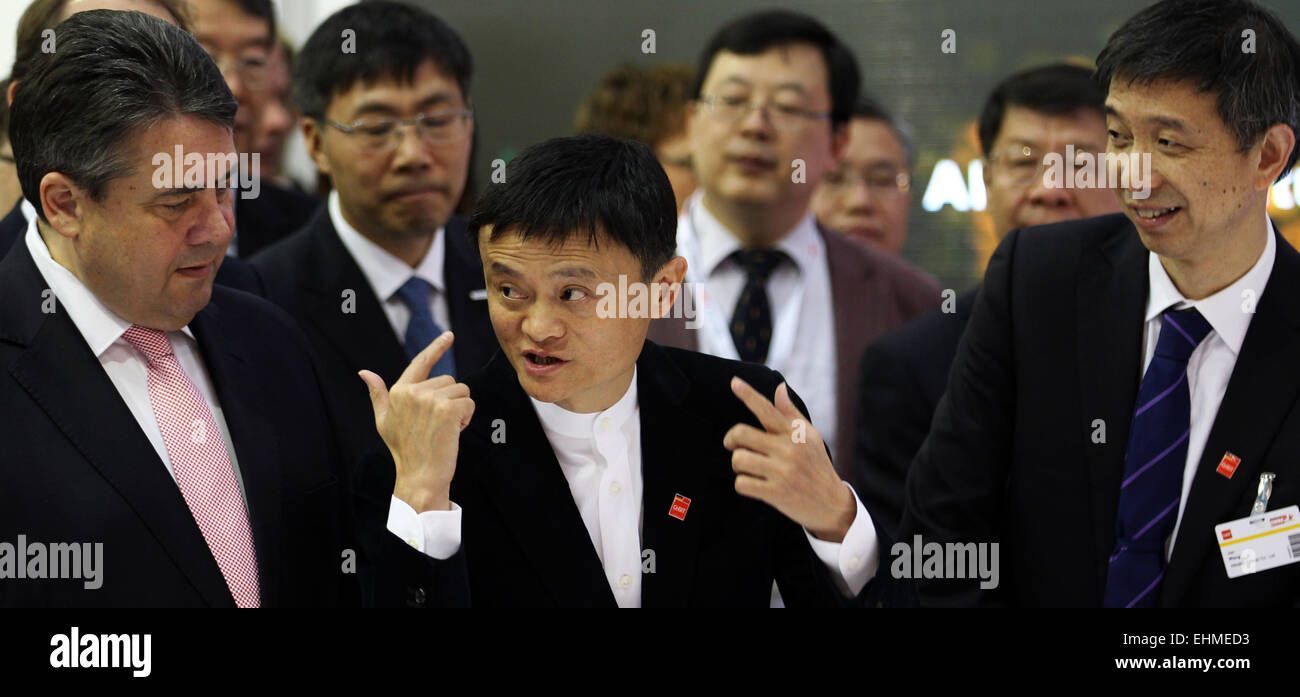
x=755 y=33
x=1058 y=89
x=1203 y=42
x=115 y=74
x=868 y=107
x=392 y=40
x=592 y=182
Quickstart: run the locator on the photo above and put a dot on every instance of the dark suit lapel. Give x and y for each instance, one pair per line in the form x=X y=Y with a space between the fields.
x=530 y=492
x=466 y=300
x=675 y=448
x=359 y=330
x=67 y=381
x=253 y=438
x=1111 y=307
x=1261 y=393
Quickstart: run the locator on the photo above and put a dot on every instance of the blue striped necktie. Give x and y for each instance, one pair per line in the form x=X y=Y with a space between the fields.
x=1154 y=464
x=422 y=329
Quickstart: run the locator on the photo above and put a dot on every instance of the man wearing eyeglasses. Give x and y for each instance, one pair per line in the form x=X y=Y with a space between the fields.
x=240 y=37
x=384 y=267
x=866 y=196
x=774 y=90
x=1028 y=115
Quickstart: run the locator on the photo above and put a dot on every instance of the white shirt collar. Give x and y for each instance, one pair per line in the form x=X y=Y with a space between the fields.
x=29 y=211
x=385 y=272
x=557 y=420
x=99 y=326
x=716 y=242
x=1223 y=310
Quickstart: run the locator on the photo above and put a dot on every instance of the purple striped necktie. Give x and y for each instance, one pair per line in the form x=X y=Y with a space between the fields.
x=1154 y=464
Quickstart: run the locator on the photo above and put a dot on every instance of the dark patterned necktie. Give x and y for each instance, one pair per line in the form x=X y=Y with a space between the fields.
x=751 y=322
x=1154 y=464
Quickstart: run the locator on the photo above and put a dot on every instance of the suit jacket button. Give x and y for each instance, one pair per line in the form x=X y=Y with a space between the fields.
x=418 y=597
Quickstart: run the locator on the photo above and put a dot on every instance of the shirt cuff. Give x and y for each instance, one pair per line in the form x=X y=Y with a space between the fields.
x=435 y=533
x=853 y=561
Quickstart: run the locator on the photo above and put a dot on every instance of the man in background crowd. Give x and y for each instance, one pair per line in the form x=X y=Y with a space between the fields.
x=1028 y=115
x=867 y=194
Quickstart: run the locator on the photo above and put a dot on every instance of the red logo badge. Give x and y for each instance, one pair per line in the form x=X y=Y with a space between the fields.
x=678 y=509
x=1227 y=534
x=1228 y=465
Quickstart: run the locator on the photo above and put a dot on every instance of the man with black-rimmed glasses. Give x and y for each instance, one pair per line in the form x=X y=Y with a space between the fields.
x=384 y=267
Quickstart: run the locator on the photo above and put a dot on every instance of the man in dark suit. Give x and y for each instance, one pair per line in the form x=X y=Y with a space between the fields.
x=384 y=267
x=1125 y=382
x=593 y=467
x=1044 y=110
x=179 y=425
x=773 y=95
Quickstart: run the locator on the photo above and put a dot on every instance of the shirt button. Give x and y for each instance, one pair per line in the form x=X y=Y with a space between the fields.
x=413 y=542
x=855 y=561
x=604 y=424
x=625 y=580
x=615 y=487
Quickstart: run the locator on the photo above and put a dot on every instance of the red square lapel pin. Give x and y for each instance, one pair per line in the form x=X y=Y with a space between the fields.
x=1228 y=465
x=679 y=507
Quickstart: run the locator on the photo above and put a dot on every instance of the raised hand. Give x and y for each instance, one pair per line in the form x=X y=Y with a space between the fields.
x=420 y=419
x=785 y=465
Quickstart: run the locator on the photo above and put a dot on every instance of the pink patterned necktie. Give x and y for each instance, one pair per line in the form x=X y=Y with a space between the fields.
x=203 y=470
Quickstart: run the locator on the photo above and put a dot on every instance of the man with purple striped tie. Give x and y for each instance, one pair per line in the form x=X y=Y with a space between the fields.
x=1125 y=381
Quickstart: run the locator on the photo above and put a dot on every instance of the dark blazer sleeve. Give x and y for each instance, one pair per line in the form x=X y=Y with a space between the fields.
x=956 y=485
x=389 y=572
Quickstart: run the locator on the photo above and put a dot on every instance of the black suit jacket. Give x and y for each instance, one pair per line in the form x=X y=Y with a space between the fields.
x=1053 y=346
x=276 y=213
x=903 y=375
x=232 y=274
x=78 y=468
x=525 y=539
x=308 y=275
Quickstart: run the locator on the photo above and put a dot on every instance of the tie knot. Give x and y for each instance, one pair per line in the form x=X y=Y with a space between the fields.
x=1181 y=333
x=415 y=293
x=152 y=343
x=759 y=263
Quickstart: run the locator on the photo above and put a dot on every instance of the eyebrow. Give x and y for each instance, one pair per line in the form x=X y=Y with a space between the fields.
x=782 y=86
x=376 y=107
x=186 y=190
x=563 y=272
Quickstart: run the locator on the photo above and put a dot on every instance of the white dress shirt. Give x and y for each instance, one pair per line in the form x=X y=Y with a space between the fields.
x=1211 y=363
x=803 y=315
x=600 y=456
x=126 y=367
x=386 y=273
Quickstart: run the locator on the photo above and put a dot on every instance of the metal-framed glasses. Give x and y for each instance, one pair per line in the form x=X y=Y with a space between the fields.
x=385 y=133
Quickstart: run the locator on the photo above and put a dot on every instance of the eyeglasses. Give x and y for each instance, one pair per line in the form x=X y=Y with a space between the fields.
x=1025 y=165
x=881 y=182
x=386 y=133
x=253 y=68
x=783 y=117
x=7 y=158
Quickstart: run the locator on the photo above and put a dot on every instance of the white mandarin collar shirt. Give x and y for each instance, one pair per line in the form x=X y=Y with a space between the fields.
x=600 y=456
x=386 y=273
x=1210 y=366
x=126 y=367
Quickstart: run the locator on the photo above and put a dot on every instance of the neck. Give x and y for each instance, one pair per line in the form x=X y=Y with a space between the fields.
x=1220 y=267
x=754 y=225
x=409 y=247
x=602 y=398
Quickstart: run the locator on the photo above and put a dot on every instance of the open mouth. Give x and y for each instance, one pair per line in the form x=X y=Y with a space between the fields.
x=540 y=359
x=1155 y=217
